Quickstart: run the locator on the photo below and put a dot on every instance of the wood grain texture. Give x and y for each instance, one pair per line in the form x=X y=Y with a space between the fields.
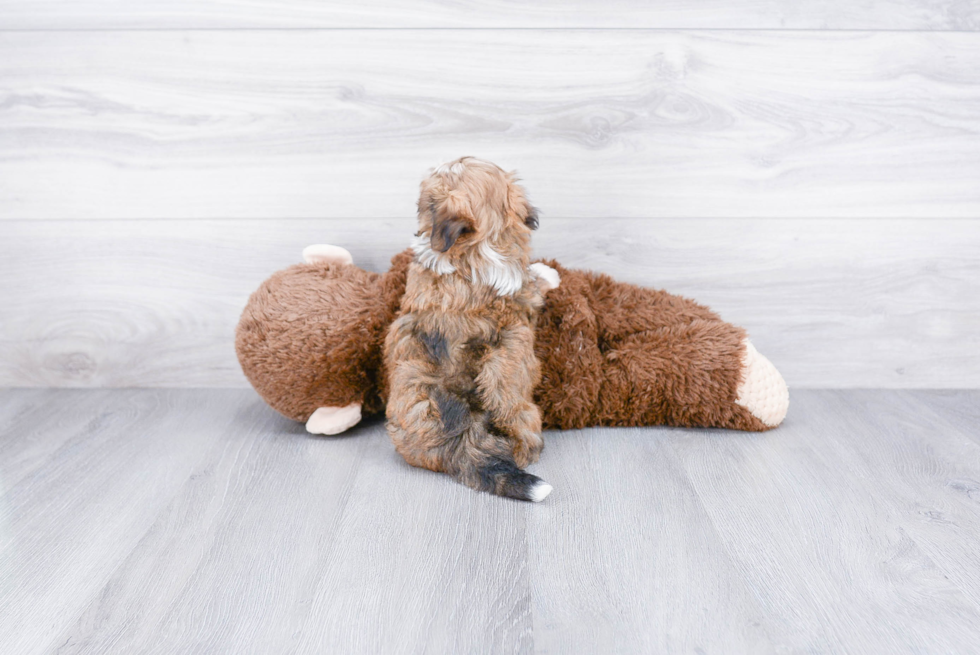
x=446 y=567
x=224 y=528
x=936 y=455
x=956 y=407
x=69 y=523
x=343 y=123
x=832 y=553
x=41 y=430
x=238 y=554
x=834 y=303
x=626 y=542
x=712 y=14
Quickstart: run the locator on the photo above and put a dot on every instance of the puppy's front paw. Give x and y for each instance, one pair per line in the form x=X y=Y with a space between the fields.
x=548 y=277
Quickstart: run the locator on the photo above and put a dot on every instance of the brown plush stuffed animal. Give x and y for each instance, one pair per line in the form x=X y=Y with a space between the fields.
x=310 y=341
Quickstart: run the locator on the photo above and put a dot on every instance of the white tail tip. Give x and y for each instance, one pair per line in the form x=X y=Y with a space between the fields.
x=540 y=491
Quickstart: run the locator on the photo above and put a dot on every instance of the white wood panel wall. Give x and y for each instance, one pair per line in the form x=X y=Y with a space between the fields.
x=343 y=123
x=834 y=303
x=660 y=14
x=810 y=170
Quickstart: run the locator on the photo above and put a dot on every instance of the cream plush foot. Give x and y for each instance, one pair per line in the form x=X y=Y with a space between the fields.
x=324 y=253
x=548 y=277
x=334 y=420
x=763 y=391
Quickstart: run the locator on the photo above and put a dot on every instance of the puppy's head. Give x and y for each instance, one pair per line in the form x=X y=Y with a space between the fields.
x=469 y=202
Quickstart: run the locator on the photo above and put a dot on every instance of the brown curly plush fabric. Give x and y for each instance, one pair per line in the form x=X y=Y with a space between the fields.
x=618 y=354
x=311 y=336
x=611 y=353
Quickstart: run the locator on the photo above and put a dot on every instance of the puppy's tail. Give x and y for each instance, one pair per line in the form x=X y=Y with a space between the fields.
x=501 y=476
x=479 y=456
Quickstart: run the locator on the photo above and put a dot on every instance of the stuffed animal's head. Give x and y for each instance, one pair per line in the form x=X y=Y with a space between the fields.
x=311 y=338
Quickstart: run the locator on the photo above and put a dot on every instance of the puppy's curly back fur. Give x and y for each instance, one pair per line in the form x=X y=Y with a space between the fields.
x=460 y=356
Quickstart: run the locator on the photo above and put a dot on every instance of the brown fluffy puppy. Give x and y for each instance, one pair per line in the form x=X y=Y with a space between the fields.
x=461 y=354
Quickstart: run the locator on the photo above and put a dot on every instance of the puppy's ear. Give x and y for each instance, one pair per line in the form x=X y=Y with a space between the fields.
x=517 y=202
x=447 y=226
x=445 y=231
x=531 y=220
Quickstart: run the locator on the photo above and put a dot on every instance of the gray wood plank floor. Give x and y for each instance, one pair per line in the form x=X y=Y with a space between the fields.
x=198 y=521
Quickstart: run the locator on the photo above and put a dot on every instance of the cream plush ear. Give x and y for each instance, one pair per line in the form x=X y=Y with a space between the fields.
x=548 y=277
x=334 y=420
x=324 y=253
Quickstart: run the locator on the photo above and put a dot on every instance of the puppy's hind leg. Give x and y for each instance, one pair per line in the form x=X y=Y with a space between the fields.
x=437 y=429
x=505 y=385
x=440 y=432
